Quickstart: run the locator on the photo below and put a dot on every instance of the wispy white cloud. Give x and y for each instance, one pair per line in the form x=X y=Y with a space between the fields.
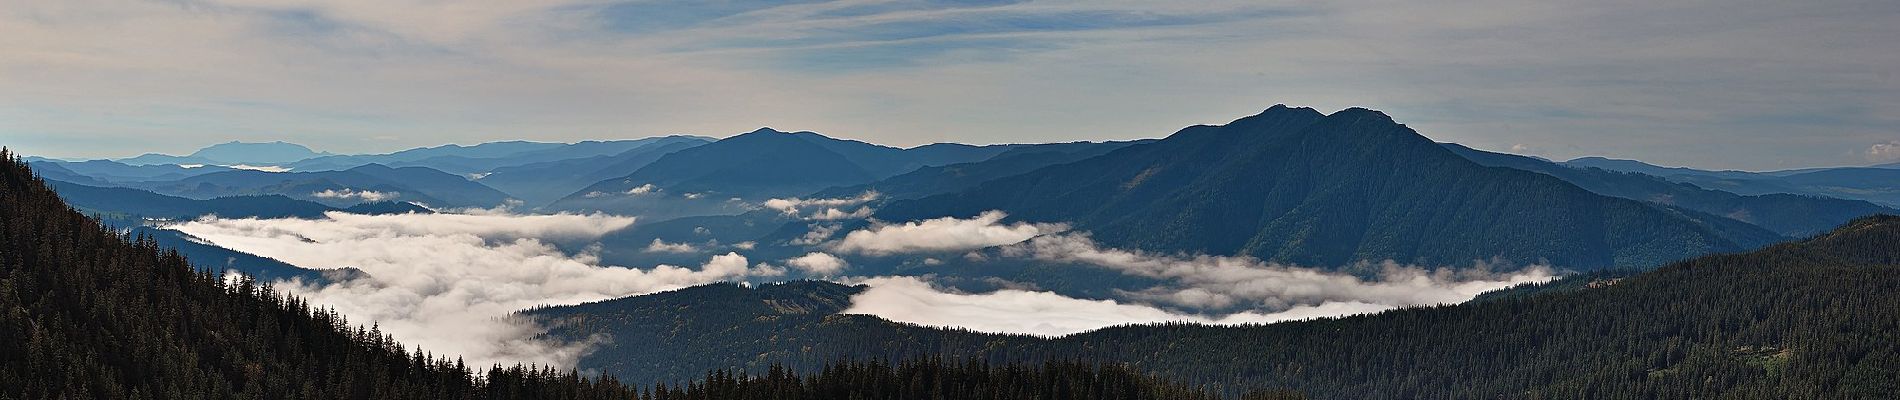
x=942 y=235
x=347 y=193
x=659 y=246
x=817 y=233
x=833 y=214
x=265 y=168
x=818 y=263
x=827 y=209
x=445 y=281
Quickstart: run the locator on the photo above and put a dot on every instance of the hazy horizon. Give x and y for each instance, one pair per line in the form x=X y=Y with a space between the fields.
x=320 y=149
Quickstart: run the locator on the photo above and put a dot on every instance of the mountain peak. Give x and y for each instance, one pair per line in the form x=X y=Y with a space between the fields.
x=241 y=145
x=1362 y=112
x=1284 y=110
x=763 y=130
x=377 y=167
x=1276 y=115
x=1282 y=107
x=261 y=153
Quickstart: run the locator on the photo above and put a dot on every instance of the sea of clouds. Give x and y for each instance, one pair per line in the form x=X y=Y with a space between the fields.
x=448 y=282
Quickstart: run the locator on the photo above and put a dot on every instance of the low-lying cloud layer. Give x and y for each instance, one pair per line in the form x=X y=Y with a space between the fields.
x=1219 y=282
x=945 y=234
x=1234 y=289
x=910 y=299
x=446 y=282
x=826 y=209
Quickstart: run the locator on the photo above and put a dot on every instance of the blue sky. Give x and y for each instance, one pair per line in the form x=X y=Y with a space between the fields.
x=1711 y=84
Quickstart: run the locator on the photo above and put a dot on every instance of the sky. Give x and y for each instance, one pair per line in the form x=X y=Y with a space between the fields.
x=1754 y=85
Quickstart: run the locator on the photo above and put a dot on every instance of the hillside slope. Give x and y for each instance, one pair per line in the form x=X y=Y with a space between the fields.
x=367 y=183
x=88 y=313
x=544 y=182
x=1819 y=318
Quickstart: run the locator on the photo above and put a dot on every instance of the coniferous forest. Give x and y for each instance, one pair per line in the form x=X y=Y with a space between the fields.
x=1816 y=318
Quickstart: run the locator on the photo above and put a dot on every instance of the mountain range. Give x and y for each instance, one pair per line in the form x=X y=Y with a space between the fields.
x=368 y=183
x=1795 y=215
x=232 y=153
x=1878 y=184
x=1288 y=185
x=127 y=206
x=722 y=177
x=487 y=157
x=1294 y=185
x=544 y=182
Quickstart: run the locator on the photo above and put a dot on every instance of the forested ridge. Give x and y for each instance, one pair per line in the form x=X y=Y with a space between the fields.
x=1817 y=318
x=89 y=313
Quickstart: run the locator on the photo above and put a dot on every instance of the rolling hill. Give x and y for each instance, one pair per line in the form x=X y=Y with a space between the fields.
x=1786 y=214
x=128 y=207
x=368 y=183
x=113 y=171
x=1879 y=184
x=487 y=157
x=725 y=176
x=934 y=180
x=544 y=182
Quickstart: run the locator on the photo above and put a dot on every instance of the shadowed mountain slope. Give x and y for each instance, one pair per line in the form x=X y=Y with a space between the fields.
x=1294 y=185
